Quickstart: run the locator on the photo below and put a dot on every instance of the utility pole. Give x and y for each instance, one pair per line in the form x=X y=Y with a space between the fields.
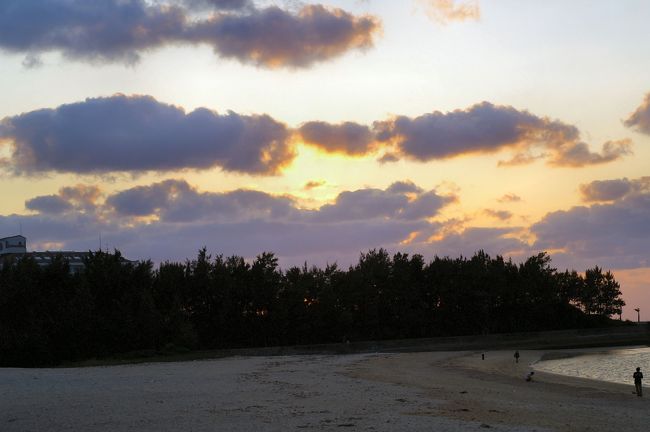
x=638 y=314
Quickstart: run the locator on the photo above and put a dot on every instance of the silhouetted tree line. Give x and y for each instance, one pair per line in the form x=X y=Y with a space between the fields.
x=48 y=315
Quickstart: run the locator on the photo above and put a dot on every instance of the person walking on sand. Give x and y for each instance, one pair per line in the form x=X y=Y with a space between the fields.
x=516 y=356
x=638 y=376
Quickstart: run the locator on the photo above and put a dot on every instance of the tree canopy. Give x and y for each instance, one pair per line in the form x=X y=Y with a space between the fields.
x=49 y=315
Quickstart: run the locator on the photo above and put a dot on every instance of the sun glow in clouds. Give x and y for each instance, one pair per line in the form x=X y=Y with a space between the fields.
x=321 y=130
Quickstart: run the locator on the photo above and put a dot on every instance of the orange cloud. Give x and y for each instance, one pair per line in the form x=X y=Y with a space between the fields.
x=510 y=197
x=445 y=11
x=313 y=184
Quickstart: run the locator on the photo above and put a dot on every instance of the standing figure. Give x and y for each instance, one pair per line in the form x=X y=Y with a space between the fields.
x=638 y=376
x=516 y=356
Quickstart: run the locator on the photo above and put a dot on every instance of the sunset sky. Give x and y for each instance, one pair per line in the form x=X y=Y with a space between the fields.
x=318 y=130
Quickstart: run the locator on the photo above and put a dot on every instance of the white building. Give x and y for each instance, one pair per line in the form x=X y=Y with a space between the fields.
x=16 y=247
x=13 y=245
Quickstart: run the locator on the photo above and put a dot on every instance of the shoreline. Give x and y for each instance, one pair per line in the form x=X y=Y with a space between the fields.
x=494 y=391
x=573 y=354
x=446 y=391
x=577 y=339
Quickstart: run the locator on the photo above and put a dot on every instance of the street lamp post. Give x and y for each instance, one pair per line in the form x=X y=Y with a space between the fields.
x=638 y=314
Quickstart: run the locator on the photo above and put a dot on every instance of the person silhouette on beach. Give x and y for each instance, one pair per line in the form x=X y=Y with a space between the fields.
x=638 y=376
x=529 y=377
x=516 y=356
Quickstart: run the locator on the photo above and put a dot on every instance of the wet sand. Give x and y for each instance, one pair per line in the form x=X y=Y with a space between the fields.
x=442 y=391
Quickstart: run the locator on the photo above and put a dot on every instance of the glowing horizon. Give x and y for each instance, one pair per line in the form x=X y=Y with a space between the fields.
x=437 y=128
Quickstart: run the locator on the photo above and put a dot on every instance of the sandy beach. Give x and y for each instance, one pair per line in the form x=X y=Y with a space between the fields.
x=442 y=391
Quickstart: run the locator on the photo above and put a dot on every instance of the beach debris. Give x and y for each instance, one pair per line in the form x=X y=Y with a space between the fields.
x=485 y=425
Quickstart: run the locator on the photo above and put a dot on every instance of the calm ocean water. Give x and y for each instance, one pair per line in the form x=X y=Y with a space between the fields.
x=614 y=366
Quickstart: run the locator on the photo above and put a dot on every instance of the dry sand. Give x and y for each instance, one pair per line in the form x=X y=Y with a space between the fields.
x=432 y=391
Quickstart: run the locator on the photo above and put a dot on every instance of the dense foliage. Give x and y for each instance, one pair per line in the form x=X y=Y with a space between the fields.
x=48 y=315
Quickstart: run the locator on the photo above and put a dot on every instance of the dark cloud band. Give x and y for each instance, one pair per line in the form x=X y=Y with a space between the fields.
x=483 y=128
x=176 y=201
x=272 y=37
x=121 y=30
x=487 y=128
x=138 y=133
x=173 y=212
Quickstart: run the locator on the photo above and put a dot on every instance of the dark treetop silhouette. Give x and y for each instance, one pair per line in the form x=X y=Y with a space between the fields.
x=48 y=315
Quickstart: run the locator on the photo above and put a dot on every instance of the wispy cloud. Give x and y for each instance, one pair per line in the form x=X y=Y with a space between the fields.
x=313 y=184
x=502 y=215
x=509 y=198
x=445 y=11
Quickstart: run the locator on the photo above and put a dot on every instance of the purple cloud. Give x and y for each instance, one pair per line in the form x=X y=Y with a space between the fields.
x=347 y=138
x=179 y=219
x=177 y=201
x=483 y=128
x=121 y=30
x=48 y=204
x=495 y=241
x=393 y=203
x=217 y=4
x=605 y=190
x=487 y=128
x=108 y=30
x=498 y=214
x=640 y=119
x=273 y=37
x=79 y=198
x=615 y=234
x=137 y=133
